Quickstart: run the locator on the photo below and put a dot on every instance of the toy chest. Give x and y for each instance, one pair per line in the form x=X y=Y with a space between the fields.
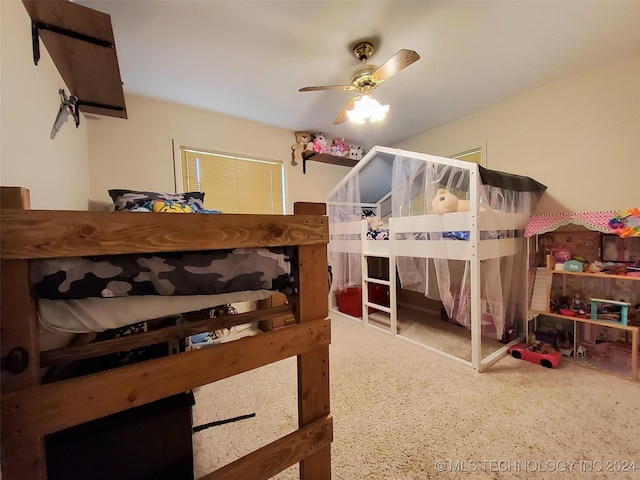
x=350 y=301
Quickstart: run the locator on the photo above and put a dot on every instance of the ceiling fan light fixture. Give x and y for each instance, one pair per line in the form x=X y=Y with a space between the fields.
x=367 y=108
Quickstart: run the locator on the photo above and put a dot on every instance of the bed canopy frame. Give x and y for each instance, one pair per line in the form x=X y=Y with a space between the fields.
x=466 y=259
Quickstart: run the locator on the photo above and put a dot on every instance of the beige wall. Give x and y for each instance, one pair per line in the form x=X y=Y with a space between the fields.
x=55 y=171
x=137 y=153
x=580 y=136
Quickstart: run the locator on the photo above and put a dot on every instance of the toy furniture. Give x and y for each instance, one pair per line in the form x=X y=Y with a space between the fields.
x=624 y=312
x=469 y=255
x=30 y=410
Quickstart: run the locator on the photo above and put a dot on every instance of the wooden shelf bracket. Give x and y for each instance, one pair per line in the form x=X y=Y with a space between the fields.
x=35 y=33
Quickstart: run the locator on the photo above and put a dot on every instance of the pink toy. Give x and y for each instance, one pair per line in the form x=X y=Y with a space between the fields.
x=537 y=353
x=320 y=144
x=341 y=146
x=561 y=255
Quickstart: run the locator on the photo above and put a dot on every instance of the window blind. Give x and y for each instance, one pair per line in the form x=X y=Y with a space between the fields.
x=474 y=156
x=233 y=184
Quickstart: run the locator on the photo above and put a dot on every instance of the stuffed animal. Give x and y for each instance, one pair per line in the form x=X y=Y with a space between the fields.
x=355 y=152
x=341 y=147
x=445 y=202
x=302 y=140
x=320 y=144
x=375 y=223
x=376 y=229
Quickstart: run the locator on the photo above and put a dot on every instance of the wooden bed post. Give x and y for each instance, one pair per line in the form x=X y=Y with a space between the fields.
x=21 y=457
x=313 y=367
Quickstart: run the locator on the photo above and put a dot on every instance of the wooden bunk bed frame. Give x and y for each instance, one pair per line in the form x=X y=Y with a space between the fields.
x=30 y=410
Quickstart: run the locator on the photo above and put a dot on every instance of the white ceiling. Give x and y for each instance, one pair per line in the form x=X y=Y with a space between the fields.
x=249 y=58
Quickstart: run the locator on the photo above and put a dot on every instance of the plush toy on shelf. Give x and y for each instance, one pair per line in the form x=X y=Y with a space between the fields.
x=302 y=141
x=445 y=202
x=320 y=143
x=340 y=147
x=355 y=152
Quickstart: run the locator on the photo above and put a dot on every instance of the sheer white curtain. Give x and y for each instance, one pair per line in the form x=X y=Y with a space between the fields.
x=415 y=181
x=345 y=206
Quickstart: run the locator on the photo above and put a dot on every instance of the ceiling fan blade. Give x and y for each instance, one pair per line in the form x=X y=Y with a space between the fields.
x=342 y=116
x=402 y=59
x=327 y=87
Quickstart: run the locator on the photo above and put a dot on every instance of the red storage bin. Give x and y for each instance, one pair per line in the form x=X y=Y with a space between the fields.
x=378 y=294
x=350 y=301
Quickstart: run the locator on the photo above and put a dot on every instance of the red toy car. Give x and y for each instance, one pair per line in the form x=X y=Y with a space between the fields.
x=536 y=354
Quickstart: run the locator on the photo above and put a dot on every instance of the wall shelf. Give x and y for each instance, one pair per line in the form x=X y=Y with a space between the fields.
x=81 y=44
x=602 y=323
x=595 y=275
x=326 y=158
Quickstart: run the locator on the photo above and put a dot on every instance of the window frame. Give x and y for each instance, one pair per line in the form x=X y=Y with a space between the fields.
x=177 y=168
x=480 y=150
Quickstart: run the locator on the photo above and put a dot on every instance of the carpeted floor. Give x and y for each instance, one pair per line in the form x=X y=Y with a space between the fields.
x=403 y=412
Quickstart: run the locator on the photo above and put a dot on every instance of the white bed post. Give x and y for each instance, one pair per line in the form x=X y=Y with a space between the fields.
x=393 y=314
x=474 y=241
x=365 y=273
x=527 y=292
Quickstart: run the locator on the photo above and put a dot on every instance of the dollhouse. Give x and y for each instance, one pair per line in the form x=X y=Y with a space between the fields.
x=584 y=288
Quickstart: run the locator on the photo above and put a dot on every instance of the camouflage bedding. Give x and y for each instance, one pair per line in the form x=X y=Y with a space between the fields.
x=179 y=273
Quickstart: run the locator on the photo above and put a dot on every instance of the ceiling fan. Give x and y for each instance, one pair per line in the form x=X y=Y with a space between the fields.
x=368 y=77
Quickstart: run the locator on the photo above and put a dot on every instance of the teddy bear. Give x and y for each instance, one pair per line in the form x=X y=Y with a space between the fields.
x=355 y=152
x=302 y=140
x=445 y=202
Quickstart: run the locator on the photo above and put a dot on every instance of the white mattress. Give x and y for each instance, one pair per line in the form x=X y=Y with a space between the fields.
x=99 y=314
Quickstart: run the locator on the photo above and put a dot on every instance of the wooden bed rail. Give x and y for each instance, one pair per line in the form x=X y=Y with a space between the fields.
x=56 y=406
x=65 y=355
x=287 y=451
x=29 y=234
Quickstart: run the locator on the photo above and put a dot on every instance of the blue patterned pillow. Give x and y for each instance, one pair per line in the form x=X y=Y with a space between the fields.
x=130 y=199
